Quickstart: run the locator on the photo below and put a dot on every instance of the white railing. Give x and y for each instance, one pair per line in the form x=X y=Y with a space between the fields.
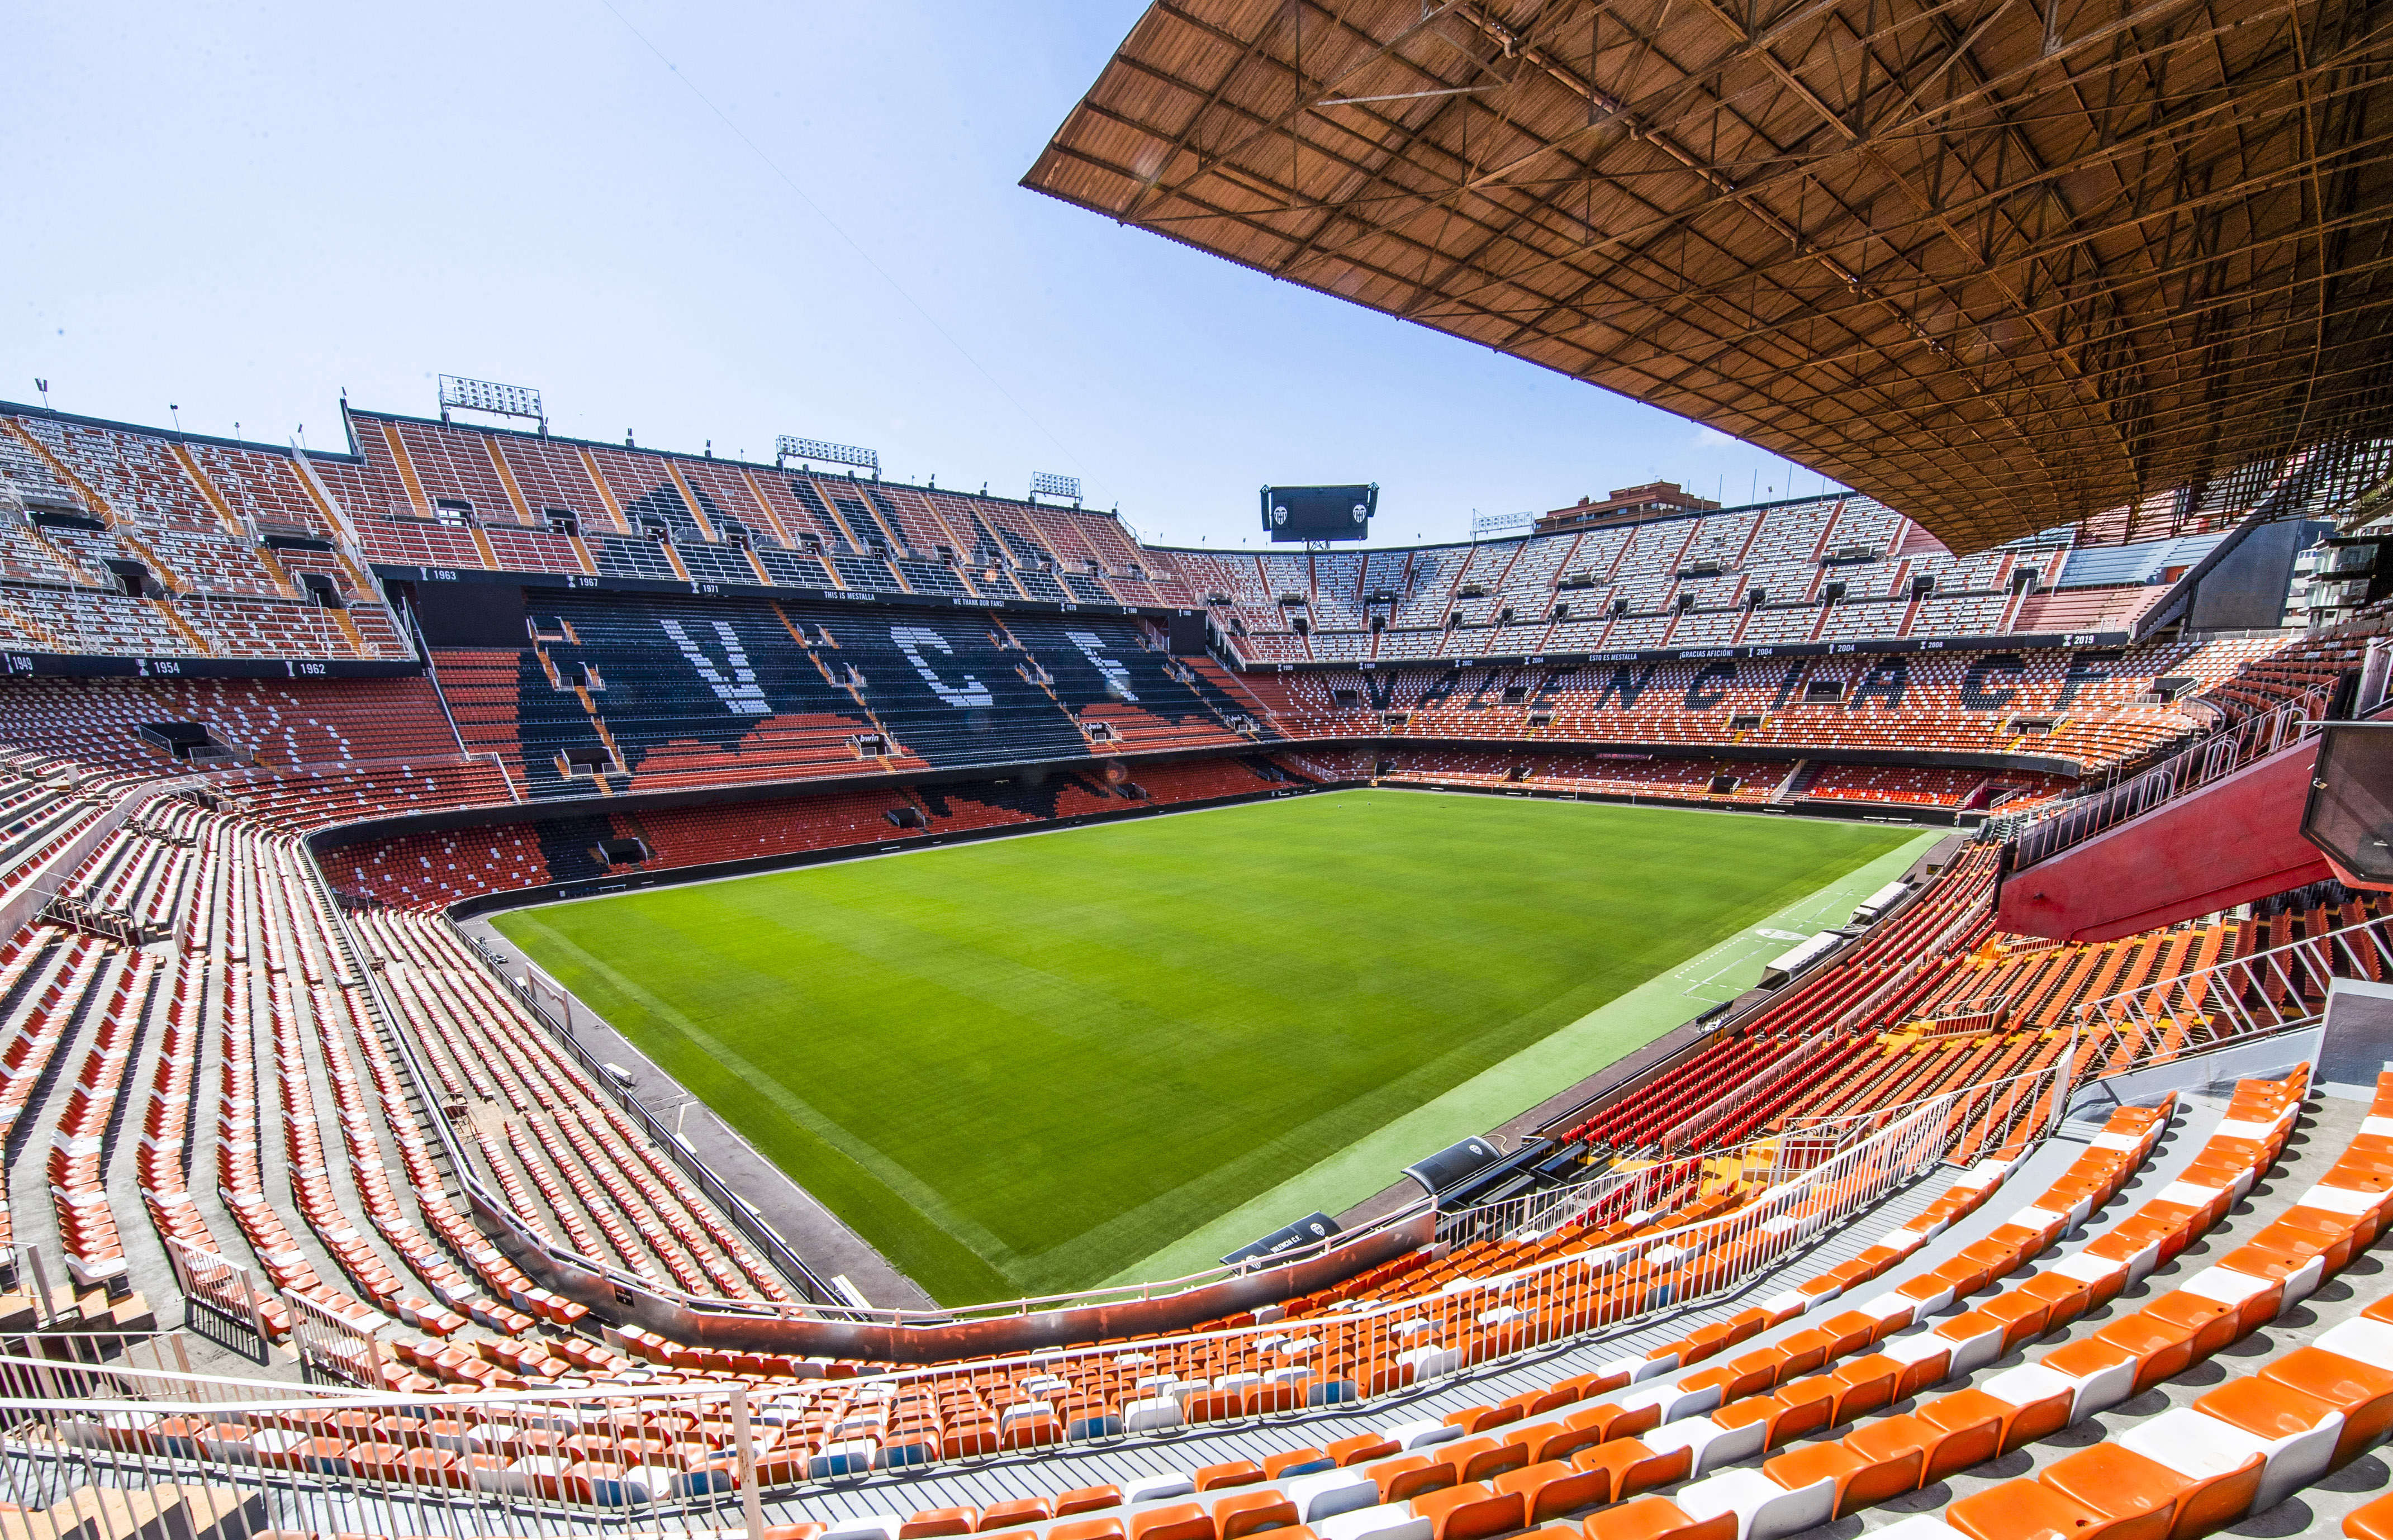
x=2243 y=1000
x=2268 y=991
x=227 y=1294
x=1522 y=1274
x=335 y=1350
x=2041 y=835
x=684 y=1458
x=260 y=1457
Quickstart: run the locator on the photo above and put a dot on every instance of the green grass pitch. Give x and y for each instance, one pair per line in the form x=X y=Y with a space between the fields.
x=1019 y=1066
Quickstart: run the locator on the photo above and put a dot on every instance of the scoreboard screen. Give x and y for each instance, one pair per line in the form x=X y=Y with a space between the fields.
x=1319 y=513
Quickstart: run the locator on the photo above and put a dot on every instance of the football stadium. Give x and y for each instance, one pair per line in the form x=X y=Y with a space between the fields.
x=555 y=988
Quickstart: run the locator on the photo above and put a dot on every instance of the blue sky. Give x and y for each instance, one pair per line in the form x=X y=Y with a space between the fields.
x=242 y=209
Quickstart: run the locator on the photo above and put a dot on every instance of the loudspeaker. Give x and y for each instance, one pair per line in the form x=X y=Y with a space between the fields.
x=2350 y=814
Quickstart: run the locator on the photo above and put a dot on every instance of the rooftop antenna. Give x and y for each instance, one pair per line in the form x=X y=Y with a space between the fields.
x=44 y=386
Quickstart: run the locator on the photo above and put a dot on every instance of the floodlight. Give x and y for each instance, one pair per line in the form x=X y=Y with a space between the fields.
x=1500 y=524
x=499 y=400
x=787 y=447
x=1047 y=483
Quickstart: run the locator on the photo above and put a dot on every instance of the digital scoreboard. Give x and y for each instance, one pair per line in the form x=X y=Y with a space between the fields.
x=1302 y=513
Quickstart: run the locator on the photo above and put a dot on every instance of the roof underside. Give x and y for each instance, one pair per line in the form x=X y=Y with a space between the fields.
x=2003 y=264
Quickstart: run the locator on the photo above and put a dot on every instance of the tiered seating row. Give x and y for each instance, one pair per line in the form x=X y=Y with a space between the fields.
x=2309 y=671
x=1979 y=703
x=1730 y=577
x=194 y=517
x=488 y=1045
x=283 y=723
x=1885 y=1455
x=2248 y=1443
x=451 y=496
x=1618 y=775
x=46 y=982
x=1900 y=961
x=88 y=1233
x=417 y=869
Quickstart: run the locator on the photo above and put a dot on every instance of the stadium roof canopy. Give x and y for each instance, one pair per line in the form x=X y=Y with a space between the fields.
x=2003 y=264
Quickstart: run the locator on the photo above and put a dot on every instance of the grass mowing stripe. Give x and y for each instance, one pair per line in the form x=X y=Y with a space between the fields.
x=852 y=1179
x=1563 y=1057
x=1020 y=1066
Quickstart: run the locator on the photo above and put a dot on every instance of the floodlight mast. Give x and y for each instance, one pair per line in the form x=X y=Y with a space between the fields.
x=489 y=396
x=788 y=448
x=1049 y=484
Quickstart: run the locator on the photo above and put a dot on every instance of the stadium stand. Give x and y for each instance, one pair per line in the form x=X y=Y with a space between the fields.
x=653 y=693
x=417 y=870
x=1753 y=1303
x=2094 y=707
x=132 y=544
x=1740 y=577
x=242 y=521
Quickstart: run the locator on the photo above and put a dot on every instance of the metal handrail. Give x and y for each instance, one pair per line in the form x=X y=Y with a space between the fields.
x=2259 y=996
x=1840 y=1183
x=2041 y=836
x=71 y=1425
x=2262 y=992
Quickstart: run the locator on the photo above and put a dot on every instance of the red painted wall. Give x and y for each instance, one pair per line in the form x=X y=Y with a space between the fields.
x=2225 y=844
